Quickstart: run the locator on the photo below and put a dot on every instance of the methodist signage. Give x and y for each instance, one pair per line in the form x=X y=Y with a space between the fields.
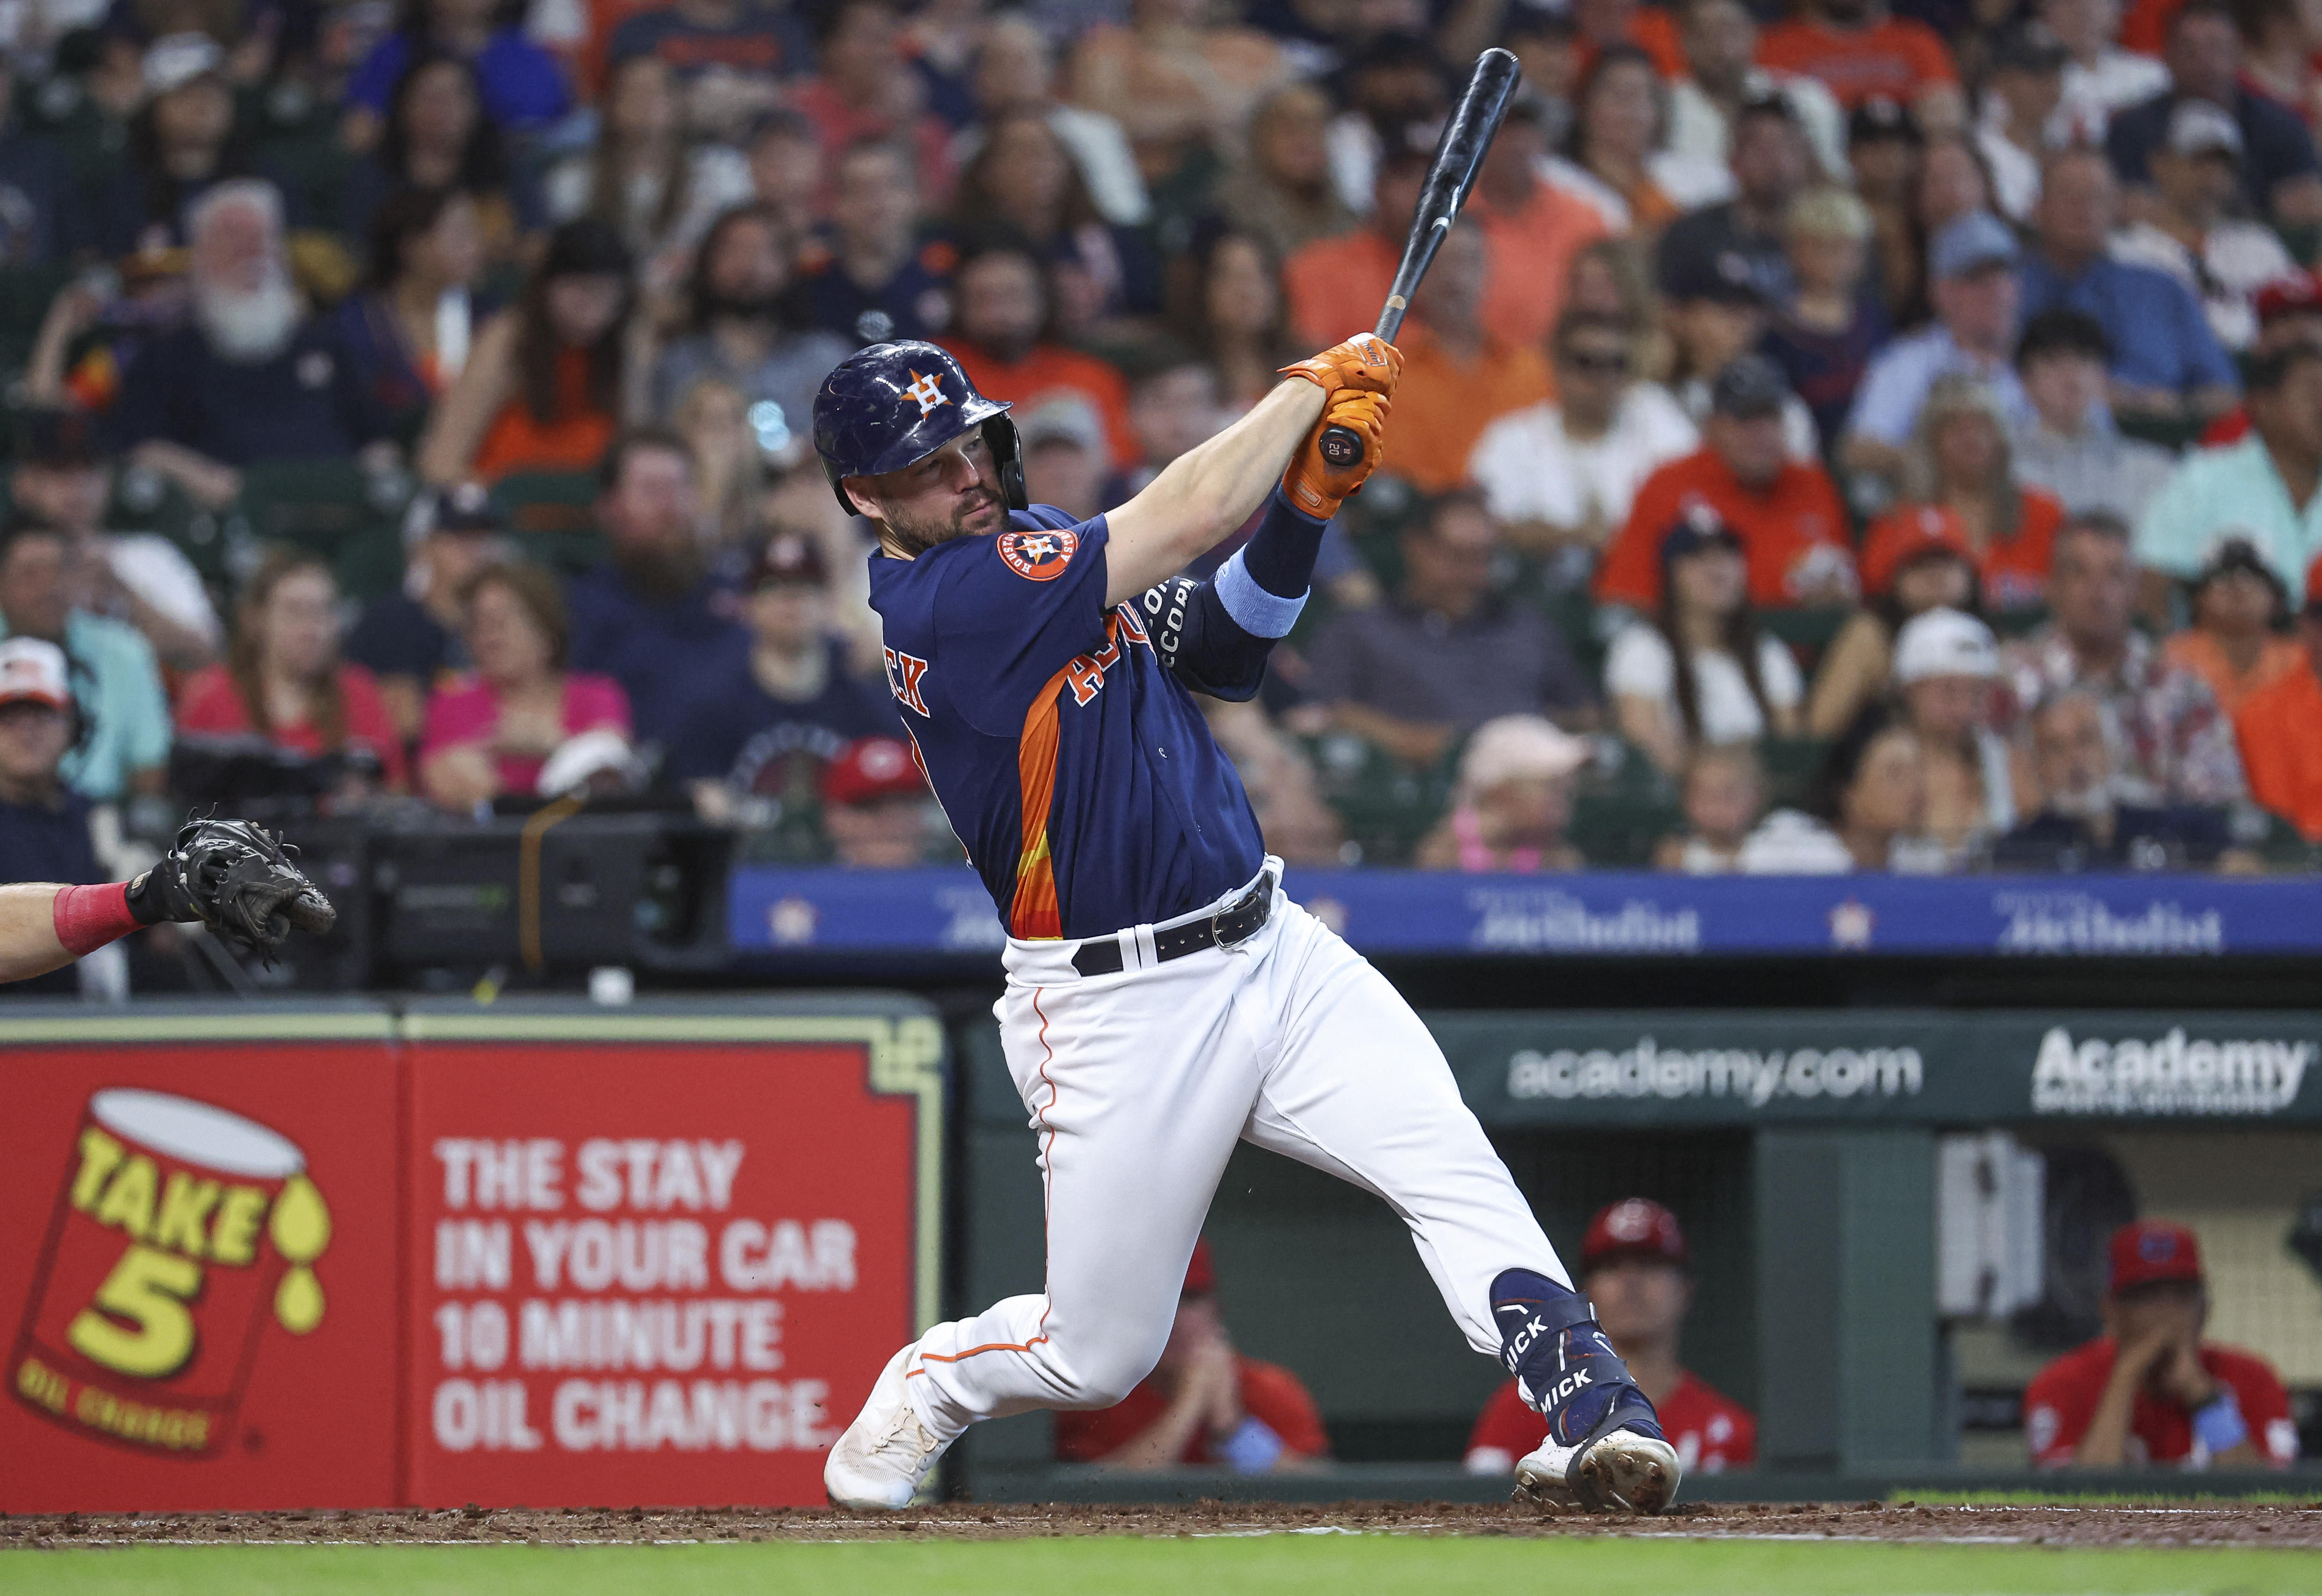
x=779 y=911
x=544 y=1255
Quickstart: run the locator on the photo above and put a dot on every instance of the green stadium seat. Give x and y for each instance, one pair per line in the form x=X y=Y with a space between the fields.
x=369 y=565
x=1623 y=805
x=552 y=516
x=2018 y=622
x=321 y=505
x=1790 y=764
x=25 y=295
x=2174 y=433
x=1808 y=630
x=146 y=501
x=1386 y=806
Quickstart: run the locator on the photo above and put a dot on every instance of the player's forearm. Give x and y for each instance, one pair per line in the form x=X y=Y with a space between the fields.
x=1207 y=492
x=28 y=931
x=34 y=926
x=2106 y=1444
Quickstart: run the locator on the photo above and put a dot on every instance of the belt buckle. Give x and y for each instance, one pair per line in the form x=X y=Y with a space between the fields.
x=1255 y=894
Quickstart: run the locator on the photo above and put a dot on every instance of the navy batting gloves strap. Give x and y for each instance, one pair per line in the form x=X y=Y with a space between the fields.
x=1565 y=1366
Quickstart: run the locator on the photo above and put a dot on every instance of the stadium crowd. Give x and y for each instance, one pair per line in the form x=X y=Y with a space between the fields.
x=1882 y=437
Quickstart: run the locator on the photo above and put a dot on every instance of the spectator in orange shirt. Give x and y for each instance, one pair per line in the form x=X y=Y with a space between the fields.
x=1859 y=51
x=1960 y=466
x=1532 y=229
x=1204 y=1406
x=543 y=390
x=1614 y=24
x=2281 y=729
x=1005 y=314
x=2240 y=611
x=1457 y=379
x=1336 y=285
x=1786 y=512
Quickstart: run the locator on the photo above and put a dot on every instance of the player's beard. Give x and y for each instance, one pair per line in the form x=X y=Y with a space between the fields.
x=915 y=536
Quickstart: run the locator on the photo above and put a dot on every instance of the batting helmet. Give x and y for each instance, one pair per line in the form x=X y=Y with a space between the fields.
x=884 y=406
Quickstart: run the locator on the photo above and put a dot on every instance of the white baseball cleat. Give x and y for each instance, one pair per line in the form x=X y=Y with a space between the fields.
x=886 y=1455
x=1622 y=1470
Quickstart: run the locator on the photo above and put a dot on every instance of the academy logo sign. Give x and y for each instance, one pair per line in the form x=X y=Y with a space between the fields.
x=2170 y=1074
x=1737 y=1074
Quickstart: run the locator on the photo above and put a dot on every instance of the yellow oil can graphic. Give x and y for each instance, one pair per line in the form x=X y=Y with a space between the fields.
x=180 y=1230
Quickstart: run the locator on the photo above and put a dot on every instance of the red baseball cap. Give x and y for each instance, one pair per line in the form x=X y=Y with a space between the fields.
x=1634 y=1225
x=2151 y=1250
x=2299 y=294
x=1201 y=1274
x=1912 y=535
x=870 y=769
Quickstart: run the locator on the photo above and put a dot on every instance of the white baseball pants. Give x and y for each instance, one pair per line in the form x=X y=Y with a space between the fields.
x=1140 y=1082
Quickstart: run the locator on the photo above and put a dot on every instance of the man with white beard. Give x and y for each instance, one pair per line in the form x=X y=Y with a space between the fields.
x=249 y=379
x=2089 y=818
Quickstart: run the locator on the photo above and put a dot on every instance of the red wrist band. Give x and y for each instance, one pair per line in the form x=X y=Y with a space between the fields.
x=88 y=917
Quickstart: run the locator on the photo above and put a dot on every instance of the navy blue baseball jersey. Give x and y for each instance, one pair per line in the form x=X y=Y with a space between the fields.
x=1072 y=762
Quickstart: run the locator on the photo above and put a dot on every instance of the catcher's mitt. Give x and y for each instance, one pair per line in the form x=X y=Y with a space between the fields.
x=235 y=878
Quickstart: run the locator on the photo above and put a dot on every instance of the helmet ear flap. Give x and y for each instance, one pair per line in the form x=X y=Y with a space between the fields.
x=839 y=487
x=999 y=436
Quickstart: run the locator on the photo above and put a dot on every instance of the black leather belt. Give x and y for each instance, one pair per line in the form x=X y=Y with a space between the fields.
x=1237 y=922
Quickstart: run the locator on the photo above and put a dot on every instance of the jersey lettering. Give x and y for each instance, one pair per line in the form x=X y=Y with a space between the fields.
x=1085 y=674
x=904 y=672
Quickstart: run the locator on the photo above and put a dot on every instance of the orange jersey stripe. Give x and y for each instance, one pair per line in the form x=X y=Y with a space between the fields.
x=1033 y=915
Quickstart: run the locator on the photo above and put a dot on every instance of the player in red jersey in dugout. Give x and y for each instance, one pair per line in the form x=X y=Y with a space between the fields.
x=1634 y=1269
x=2150 y=1389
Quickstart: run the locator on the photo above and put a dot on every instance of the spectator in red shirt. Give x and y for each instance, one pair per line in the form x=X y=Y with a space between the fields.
x=1857 y=50
x=864 y=89
x=284 y=681
x=2281 y=728
x=1204 y=1405
x=1005 y=310
x=1786 y=512
x=2150 y=1390
x=1633 y=1269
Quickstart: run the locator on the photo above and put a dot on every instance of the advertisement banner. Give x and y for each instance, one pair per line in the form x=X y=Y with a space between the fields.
x=1607 y=914
x=659 y=1259
x=1711 y=1068
x=201 y=1286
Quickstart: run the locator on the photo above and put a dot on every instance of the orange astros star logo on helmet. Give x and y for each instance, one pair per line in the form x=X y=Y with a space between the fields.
x=1038 y=556
x=929 y=391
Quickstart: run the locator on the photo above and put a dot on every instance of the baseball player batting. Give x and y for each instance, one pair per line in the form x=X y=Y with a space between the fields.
x=1163 y=998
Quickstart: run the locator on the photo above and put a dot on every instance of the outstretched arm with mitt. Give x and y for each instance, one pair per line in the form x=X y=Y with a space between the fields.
x=227 y=874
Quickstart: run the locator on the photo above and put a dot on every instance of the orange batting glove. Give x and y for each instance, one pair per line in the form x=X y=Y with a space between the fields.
x=1366 y=362
x=1313 y=484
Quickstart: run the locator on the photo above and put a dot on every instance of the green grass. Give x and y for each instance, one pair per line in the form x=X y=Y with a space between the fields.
x=1278 y=1565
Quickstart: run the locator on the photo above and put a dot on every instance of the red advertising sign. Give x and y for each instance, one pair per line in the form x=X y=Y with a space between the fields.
x=658 y=1264
x=201 y=1305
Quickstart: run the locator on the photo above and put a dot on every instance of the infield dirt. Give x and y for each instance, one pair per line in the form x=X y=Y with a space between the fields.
x=2218 y=1524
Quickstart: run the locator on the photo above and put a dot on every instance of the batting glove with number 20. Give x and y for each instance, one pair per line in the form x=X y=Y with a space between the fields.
x=1313 y=484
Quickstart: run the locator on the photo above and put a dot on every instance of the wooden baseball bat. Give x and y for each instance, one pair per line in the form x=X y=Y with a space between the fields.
x=1459 y=156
